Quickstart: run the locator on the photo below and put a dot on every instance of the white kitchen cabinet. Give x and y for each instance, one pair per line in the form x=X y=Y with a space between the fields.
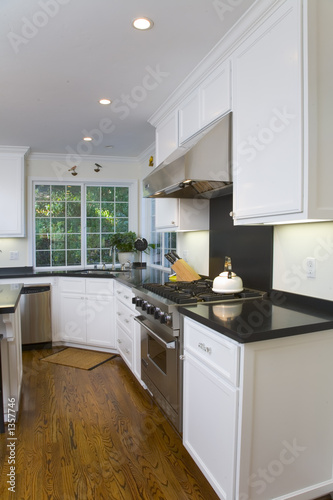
x=210 y=405
x=12 y=192
x=127 y=330
x=174 y=214
x=282 y=103
x=206 y=104
x=166 y=137
x=86 y=312
x=257 y=417
x=11 y=362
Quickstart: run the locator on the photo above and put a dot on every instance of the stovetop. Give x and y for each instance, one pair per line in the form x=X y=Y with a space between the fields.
x=192 y=292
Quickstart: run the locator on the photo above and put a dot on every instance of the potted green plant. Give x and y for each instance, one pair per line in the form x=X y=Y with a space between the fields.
x=124 y=243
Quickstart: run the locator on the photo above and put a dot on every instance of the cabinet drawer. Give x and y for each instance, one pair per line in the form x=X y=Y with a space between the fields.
x=75 y=285
x=213 y=349
x=125 y=316
x=99 y=286
x=125 y=346
x=125 y=294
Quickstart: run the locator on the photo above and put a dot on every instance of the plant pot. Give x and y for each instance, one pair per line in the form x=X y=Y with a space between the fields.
x=125 y=257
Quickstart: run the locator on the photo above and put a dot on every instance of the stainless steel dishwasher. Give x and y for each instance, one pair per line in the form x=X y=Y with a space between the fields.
x=35 y=306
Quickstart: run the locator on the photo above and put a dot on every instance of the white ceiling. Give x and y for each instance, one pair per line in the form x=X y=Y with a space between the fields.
x=53 y=74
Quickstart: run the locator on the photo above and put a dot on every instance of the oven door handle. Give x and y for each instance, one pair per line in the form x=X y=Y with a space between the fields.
x=167 y=345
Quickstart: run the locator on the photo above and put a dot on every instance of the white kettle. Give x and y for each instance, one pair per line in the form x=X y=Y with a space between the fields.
x=227 y=282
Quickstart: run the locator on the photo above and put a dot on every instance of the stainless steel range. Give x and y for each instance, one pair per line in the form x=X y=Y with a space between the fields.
x=162 y=336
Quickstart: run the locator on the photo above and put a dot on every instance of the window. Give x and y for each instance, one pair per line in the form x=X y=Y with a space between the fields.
x=72 y=222
x=162 y=242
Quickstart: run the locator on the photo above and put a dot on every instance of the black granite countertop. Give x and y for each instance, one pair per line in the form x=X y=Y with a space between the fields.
x=133 y=277
x=276 y=316
x=9 y=297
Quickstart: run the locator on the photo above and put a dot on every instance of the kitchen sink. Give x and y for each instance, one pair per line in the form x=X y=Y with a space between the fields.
x=109 y=272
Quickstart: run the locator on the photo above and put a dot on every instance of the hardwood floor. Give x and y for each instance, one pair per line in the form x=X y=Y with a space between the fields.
x=94 y=435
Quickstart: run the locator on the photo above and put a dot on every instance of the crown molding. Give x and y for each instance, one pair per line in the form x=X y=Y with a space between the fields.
x=247 y=24
x=21 y=150
x=72 y=158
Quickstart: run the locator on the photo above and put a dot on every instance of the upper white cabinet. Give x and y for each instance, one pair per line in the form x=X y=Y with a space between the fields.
x=283 y=109
x=166 y=137
x=12 y=191
x=205 y=105
x=174 y=214
x=194 y=113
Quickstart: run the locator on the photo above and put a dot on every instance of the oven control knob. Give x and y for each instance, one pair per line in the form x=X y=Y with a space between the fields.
x=138 y=302
x=144 y=305
x=165 y=318
x=157 y=313
x=134 y=299
x=150 y=309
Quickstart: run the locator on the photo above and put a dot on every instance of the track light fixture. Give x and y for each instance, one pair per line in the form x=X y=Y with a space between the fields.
x=98 y=167
x=73 y=170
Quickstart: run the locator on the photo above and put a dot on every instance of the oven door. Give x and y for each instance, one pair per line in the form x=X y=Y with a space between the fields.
x=160 y=367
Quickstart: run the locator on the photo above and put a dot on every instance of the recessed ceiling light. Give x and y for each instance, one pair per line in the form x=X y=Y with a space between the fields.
x=104 y=101
x=142 y=23
x=87 y=139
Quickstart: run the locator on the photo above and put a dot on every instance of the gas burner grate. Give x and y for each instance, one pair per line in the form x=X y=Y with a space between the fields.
x=191 y=292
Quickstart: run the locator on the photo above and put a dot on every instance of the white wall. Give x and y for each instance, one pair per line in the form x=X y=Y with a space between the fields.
x=56 y=167
x=194 y=248
x=292 y=245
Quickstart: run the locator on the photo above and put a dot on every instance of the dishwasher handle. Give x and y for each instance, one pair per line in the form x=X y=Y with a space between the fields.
x=27 y=290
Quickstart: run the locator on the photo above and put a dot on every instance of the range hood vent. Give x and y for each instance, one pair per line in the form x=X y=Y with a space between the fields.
x=203 y=172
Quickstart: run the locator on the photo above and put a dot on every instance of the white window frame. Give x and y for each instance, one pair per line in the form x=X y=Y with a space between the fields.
x=132 y=213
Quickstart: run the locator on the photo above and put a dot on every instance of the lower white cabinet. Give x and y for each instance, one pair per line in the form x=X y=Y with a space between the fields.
x=257 y=417
x=87 y=311
x=127 y=330
x=210 y=406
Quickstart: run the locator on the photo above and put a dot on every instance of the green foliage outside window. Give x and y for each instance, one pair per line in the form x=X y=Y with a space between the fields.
x=61 y=214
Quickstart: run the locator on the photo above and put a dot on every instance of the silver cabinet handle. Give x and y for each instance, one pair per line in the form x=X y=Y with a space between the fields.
x=202 y=346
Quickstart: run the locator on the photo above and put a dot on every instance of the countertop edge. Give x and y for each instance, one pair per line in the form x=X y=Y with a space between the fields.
x=256 y=337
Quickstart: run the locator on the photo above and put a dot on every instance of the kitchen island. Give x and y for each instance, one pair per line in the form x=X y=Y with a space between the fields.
x=11 y=350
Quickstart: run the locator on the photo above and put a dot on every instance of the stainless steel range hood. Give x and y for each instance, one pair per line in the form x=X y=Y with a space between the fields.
x=203 y=172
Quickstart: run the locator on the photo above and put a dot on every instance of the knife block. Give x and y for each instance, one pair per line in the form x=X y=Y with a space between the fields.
x=184 y=271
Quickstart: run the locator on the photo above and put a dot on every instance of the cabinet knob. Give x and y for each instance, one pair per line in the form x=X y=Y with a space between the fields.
x=119 y=341
x=202 y=346
x=232 y=214
x=126 y=350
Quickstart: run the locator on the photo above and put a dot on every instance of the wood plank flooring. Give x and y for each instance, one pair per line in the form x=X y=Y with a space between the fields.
x=94 y=435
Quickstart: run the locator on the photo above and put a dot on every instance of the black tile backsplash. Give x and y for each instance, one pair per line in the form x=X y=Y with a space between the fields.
x=250 y=247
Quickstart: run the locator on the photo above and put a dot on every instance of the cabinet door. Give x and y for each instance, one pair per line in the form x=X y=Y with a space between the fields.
x=167 y=137
x=267 y=132
x=166 y=213
x=100 y=321
x=189 y=117
x=72 y=317
x=12 y=195
x=215 y=95
x=209 y=425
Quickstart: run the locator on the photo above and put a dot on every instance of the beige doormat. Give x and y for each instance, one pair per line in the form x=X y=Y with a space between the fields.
x=79 y=358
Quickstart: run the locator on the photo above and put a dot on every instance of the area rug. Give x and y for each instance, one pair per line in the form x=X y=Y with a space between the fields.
x=79 y=358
